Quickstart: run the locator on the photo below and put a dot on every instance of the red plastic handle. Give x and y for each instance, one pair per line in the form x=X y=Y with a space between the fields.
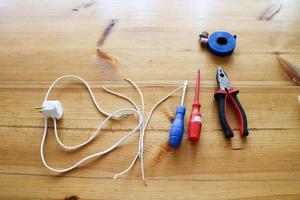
x=231 y=94
x=195 y=123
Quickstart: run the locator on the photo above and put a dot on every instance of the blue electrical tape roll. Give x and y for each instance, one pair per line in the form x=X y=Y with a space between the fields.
x=221 y=43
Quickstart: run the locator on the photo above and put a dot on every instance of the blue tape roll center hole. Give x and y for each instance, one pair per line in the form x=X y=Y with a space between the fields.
x=222 y=41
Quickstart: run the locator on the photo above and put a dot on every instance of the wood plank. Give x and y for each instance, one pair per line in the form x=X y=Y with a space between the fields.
x=264 y=67
x=275 y=153
x=40 y=187
x=270 y=112
x=27 y=49
x=148 y=10
x=58 y=59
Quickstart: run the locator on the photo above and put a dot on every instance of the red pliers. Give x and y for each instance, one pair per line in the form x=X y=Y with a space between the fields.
x=224 y=93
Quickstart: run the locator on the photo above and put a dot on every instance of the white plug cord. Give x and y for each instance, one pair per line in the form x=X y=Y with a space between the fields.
x=117 y=115
x=89 y=90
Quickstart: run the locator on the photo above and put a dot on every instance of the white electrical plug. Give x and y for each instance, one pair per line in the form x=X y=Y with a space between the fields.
x=52 y=109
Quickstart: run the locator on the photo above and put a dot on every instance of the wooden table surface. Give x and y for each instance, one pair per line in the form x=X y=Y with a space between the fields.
x=155 y=43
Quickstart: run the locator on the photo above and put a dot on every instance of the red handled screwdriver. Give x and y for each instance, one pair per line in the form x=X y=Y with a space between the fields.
x=195 y=123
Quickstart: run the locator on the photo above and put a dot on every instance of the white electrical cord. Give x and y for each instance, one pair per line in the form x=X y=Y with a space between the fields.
x=89 y=90
x=117 y=115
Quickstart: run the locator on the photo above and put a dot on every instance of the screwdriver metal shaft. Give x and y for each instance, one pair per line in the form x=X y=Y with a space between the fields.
x=183 y=92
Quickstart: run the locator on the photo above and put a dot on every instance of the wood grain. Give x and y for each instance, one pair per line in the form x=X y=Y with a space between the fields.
x=155 y=43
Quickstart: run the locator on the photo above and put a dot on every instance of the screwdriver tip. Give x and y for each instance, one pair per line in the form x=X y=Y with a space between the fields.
x=185 y=83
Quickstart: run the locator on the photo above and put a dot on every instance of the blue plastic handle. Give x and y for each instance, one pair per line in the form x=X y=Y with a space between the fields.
x=177 y=127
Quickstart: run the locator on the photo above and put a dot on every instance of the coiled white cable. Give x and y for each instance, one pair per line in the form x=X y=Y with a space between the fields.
x=117 y=115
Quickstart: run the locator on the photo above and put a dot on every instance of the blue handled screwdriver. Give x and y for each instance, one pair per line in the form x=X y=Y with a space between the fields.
x=177 y=127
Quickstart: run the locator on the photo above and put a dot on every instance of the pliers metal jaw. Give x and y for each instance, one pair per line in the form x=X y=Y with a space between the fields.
x=224 y=93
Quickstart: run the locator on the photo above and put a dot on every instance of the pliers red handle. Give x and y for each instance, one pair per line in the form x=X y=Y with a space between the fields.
x=222 y=95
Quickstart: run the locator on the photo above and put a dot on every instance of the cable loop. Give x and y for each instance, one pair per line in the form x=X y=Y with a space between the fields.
x=116 y=115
